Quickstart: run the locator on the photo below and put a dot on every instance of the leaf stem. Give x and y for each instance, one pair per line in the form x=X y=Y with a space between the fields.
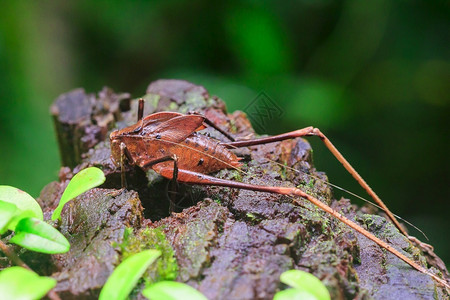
x=12 y=256
x=52 y=295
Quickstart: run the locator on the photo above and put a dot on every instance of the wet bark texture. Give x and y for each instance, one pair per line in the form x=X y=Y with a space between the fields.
x=227 y=243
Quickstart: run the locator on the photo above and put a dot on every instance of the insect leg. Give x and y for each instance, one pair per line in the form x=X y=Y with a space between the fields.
x=311 y=131
x=123 y=179
x=270 y=139
x=157 y=161
x=173 y=187
x=213 y=125
x=202 y=179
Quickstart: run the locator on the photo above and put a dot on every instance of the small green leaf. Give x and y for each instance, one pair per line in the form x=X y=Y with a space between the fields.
x=36 y=235
x=172 y=290
x=19 y=216
x=84 y=180
x=23 y=201
x=294 y=294
x=7 y=213
x=20 y=283
x=306 y=282
x=127 y=274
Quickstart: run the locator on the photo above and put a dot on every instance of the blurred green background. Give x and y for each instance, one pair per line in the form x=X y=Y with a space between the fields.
x=373 y=75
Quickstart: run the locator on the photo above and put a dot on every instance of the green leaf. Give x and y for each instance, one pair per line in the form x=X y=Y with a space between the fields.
x=84 y=180
x=294 y=294
x=36 y=235
x=7 y=213
x=127 y=274
x=23 y=201
x=19 y=283
x=304 y=281
x=172 y=290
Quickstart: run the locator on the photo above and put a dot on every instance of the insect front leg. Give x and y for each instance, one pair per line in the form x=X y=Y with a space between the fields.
x=123 y=179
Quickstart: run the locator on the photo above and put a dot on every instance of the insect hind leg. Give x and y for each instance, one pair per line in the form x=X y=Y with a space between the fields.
x=191 y=177
x=311 y=131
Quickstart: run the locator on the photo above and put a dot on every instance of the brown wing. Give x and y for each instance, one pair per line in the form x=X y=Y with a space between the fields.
x=179 y=128
x=145 y=125
x=159 y=117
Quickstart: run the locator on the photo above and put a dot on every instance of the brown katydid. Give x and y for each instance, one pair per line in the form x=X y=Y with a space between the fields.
x=169 y=143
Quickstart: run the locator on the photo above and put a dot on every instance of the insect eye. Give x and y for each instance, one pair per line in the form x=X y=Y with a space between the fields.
x=158 y=136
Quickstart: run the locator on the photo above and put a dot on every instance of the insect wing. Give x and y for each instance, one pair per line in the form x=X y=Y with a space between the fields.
x=157 y=118
x=179 y=128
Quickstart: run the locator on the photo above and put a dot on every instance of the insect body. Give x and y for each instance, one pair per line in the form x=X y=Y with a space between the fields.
x=168 y=135
x=170 y=144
